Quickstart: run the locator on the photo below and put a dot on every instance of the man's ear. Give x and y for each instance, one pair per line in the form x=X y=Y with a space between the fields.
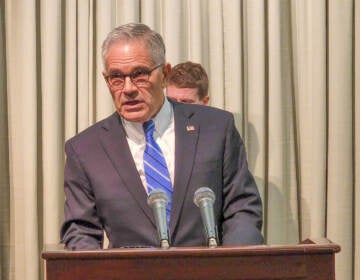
x=166 y=69
x=205 y=100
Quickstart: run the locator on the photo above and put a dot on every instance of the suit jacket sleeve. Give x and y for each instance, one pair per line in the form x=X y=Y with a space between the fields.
x=242 y=206
x=82 y=228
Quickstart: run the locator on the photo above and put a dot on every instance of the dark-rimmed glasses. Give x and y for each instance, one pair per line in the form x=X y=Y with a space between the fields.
x=139 y=77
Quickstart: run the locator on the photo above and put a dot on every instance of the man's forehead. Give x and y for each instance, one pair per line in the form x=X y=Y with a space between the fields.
x=183 y=91
x=128 y=54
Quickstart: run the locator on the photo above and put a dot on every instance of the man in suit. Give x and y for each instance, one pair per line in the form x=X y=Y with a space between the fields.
x=188 y=83
x=106 y=187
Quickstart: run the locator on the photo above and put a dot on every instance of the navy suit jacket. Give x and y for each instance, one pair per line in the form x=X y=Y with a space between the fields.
x=104 y=191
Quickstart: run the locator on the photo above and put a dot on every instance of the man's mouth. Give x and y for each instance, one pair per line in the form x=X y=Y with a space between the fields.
x=132 y=105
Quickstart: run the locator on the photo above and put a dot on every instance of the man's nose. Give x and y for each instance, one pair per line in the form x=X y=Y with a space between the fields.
x=128 y=85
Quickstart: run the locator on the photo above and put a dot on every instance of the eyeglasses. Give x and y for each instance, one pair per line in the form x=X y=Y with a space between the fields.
x=140 y=78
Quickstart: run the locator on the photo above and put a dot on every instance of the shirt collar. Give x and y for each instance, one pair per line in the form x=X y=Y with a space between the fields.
x=163 y=119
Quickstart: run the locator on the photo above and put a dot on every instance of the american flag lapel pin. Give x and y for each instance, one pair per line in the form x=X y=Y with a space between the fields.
x=190 y=128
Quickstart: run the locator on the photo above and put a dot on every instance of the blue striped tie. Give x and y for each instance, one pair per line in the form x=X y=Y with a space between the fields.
x=156 y=171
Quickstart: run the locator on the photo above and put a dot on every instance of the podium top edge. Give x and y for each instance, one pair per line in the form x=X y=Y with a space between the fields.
x=59 y=252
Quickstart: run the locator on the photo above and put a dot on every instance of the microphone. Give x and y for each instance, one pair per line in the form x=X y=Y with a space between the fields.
x=158 y=200
x=204 y=199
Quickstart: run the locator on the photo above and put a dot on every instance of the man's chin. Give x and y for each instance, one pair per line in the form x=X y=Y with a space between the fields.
x=135 y=117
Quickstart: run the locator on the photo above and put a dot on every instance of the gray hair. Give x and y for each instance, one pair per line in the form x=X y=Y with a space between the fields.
x=132 y=32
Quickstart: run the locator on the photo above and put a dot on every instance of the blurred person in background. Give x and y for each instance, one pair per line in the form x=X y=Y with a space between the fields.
x=188 y=83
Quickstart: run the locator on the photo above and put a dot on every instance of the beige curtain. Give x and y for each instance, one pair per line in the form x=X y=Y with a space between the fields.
x=289 y=70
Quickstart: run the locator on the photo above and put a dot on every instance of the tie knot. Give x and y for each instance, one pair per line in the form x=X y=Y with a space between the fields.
x=149 y=127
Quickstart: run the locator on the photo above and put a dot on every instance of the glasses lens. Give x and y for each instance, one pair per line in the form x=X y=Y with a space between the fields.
x=117 y=81
x=140 y=77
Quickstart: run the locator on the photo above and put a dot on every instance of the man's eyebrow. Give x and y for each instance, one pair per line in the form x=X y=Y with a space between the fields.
x=187 y=100
x=137 y=68
x=115 y=71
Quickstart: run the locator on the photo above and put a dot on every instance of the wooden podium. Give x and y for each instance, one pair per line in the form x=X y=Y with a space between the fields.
x=307 y=260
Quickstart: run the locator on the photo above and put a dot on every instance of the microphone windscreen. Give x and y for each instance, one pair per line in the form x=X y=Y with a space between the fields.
x=156 y=195
x=203 y=193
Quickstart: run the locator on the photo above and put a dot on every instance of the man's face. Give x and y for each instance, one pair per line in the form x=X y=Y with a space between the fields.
x=135 y=103
x=185 y=95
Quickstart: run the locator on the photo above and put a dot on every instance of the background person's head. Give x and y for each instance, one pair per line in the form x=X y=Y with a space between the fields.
x=135 y=70
x=188 y=83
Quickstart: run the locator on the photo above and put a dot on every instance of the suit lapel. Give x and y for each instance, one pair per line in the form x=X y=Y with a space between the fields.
x=113 y=139
x=186 y=138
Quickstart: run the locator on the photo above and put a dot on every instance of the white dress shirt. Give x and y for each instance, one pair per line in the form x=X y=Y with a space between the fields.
x=164 y=136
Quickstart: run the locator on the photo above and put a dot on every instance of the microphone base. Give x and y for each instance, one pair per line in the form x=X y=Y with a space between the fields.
x=164 y=244
x=212 y=242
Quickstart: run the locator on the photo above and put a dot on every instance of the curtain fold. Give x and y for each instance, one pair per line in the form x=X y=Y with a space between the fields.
x=309 y=49
x=51 y=119
x=340 y=177
x=22 y=88
x=281 y=181
x=356 y=131
x=4 y=159
x=84 y=54
x=70 y=68
x=255 y=88
x=216 y=52
x=103 y=99
x=287 y=69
